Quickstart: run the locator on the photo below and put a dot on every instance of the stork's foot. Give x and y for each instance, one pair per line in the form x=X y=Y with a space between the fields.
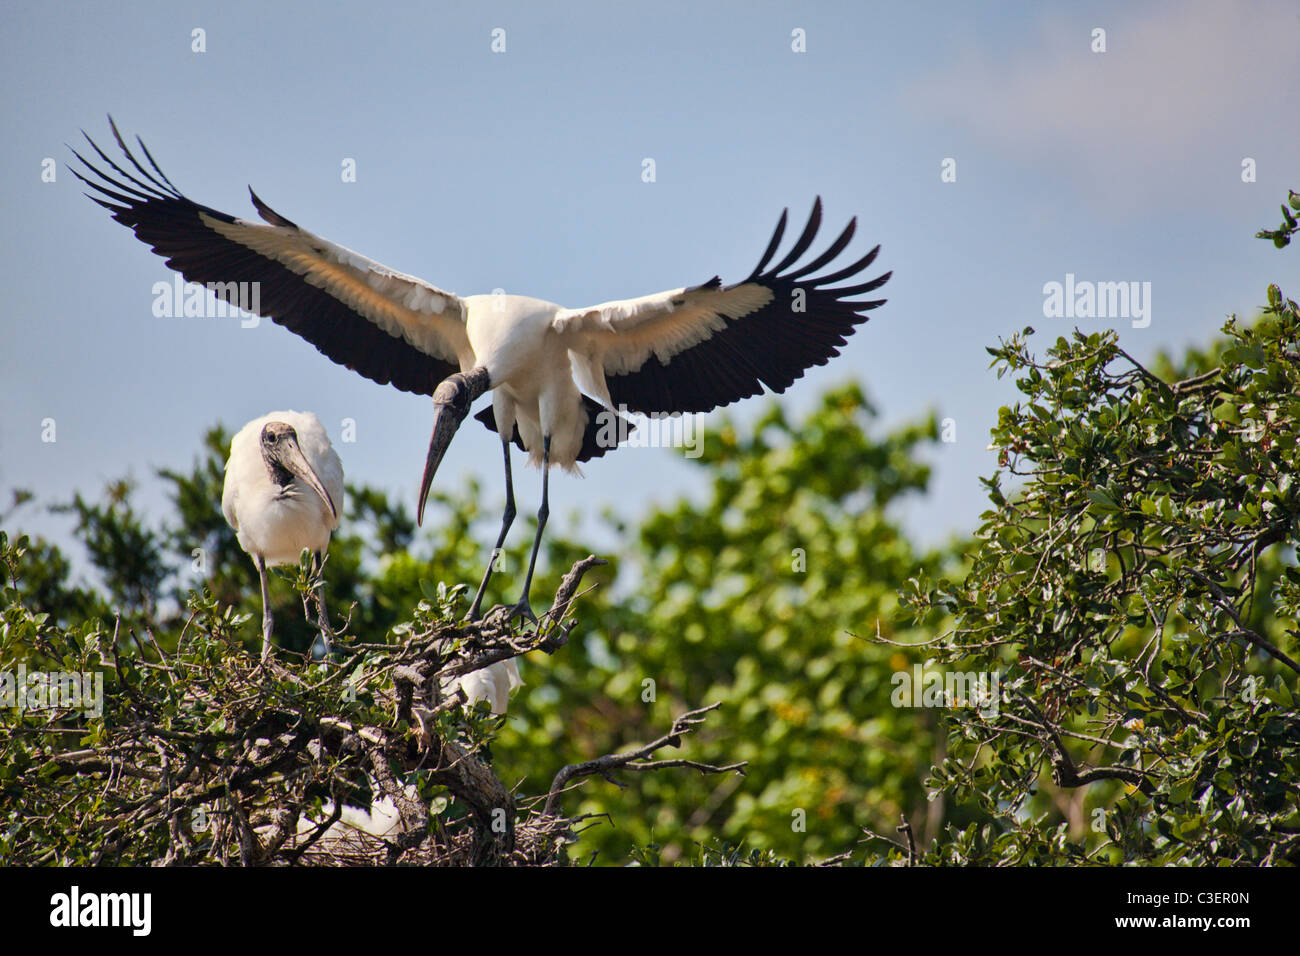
x=503 y=614
x=522 y=610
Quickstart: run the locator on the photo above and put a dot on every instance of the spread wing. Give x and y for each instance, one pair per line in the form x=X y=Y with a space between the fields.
x=390 y=327
x=694 y=349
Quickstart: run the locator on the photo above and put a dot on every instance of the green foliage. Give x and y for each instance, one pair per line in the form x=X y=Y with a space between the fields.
x=1281 y=236
x=723 y=602
x=201 y=754
x=1133 y=587
x=126 y=554
x=1136 y=595
x=750 y=598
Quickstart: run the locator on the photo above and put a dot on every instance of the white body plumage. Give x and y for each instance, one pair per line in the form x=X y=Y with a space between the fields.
x=276 y=521
x=283 y=493
x=492 y=684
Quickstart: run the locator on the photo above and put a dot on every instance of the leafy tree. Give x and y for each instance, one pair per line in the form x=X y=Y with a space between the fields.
x=802 y=700
x=1137 y=596
x=750 y=598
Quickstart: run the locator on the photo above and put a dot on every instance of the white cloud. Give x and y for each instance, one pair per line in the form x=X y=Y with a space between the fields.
x=1181 y=87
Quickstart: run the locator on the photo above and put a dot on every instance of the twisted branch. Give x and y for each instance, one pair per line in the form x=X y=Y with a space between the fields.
x=635 y=760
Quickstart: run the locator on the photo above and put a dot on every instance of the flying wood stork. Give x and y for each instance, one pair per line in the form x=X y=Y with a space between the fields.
x=283 y=492
x=559 y=377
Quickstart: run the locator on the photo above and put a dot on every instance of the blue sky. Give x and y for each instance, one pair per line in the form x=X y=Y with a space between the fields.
x=521 y=170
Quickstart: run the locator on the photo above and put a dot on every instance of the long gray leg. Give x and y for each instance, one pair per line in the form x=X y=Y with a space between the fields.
x=523 y=607
x=506 y=520
x=266 y=609
x=318 y=566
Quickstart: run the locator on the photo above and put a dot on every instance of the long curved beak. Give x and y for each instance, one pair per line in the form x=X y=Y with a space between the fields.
x=445 y=423
x=451 y=402
x=296 y=462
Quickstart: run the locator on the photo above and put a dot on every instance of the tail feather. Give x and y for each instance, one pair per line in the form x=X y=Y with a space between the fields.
x=594 y=438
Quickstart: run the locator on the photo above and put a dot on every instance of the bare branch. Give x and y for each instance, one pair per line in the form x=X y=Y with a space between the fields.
x=635 y=760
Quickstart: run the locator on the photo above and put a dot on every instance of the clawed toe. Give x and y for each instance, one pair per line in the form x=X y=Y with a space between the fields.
x=524 y=610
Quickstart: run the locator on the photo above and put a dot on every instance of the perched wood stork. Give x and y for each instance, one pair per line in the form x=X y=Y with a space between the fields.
x=559 y=377
x=283 y=492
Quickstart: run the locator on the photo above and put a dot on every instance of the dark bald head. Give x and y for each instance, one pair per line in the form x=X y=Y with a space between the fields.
x=285 y=460
x=275 y=432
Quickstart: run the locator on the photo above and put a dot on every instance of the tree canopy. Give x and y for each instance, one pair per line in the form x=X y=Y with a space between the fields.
x=734 y=685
